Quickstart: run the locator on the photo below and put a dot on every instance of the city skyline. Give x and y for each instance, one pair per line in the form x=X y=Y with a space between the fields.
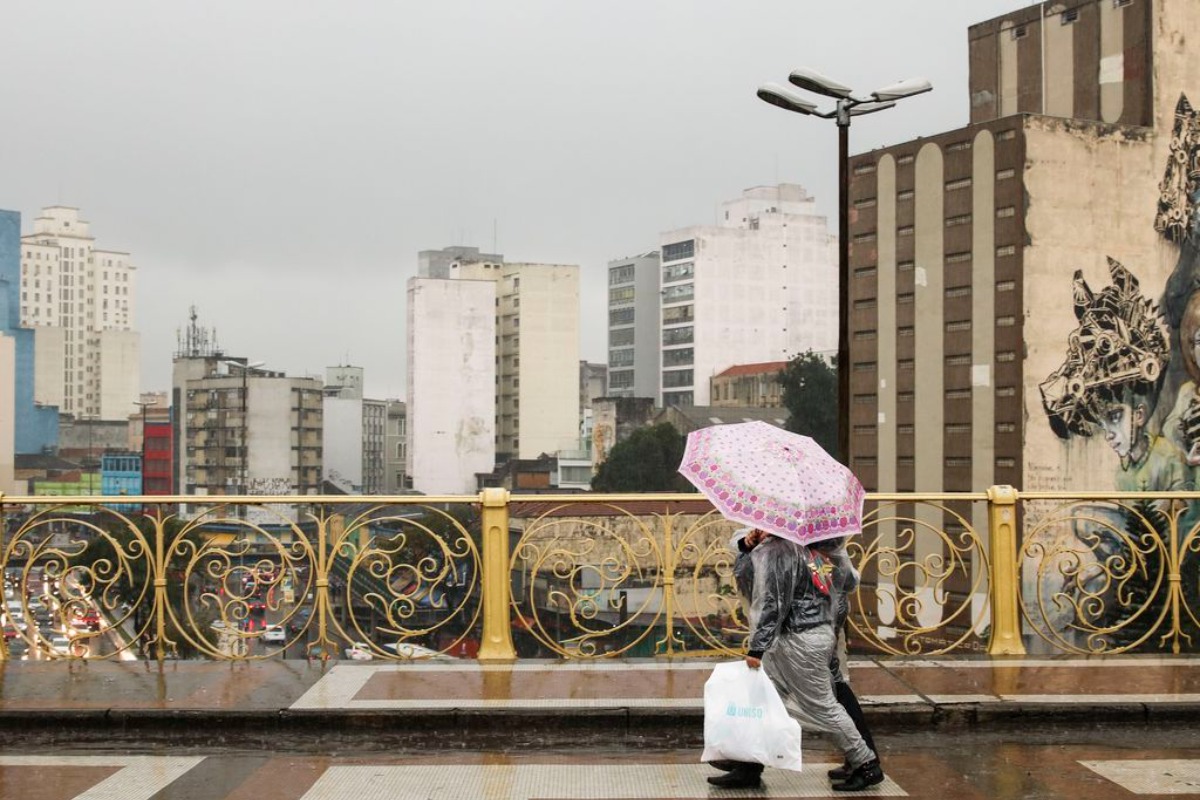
x=246 y=155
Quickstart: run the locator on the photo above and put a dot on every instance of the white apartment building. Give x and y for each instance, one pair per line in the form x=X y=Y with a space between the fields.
x=80 y=300
x=451 y=380
x=634 y=327
x=537 y=334
x=353 y=436
x=759 y=286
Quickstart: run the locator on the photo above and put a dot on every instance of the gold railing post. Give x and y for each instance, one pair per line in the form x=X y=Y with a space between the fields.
x=669 y=584
x=160 y=592
x=1005 y=639
x=497 y=644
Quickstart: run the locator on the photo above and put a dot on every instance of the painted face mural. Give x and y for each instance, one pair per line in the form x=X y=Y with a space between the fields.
x=1132 y=365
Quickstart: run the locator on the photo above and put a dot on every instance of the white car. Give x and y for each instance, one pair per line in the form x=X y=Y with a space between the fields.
x=274 y=634
x=413 y=651
x=359 y=651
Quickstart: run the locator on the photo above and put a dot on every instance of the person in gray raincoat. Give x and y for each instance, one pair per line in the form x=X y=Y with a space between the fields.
x=792 y=637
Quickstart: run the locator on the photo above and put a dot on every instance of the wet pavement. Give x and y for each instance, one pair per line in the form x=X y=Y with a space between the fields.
x=1097 y=763
x=294 y=730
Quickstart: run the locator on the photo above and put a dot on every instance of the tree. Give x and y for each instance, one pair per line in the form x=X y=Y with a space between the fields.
x=810 y=394
x=648 y=461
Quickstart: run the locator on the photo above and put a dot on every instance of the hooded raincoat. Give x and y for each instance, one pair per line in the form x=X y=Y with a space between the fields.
x=791 y=623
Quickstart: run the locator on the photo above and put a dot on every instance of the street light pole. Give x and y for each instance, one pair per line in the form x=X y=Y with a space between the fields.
x=848 y=105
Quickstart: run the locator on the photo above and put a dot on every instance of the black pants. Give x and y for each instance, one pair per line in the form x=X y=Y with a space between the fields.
x=849 y=701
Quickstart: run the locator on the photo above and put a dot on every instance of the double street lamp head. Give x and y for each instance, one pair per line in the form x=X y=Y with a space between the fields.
x=848 y=104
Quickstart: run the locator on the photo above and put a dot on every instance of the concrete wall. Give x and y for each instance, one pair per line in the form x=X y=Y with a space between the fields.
x=343 y=442
x=548 y=416
x=120 y=368
x=451 y=383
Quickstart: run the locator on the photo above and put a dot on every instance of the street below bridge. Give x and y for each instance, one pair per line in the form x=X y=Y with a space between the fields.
x=1046 y=761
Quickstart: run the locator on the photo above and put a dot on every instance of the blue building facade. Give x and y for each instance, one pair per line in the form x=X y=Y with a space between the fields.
x=36 y=426
x=121 y=474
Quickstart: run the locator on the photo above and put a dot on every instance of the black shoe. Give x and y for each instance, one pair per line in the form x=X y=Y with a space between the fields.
x=840 y=773
x=725 y=766
x=862 y=777
x=743 y=776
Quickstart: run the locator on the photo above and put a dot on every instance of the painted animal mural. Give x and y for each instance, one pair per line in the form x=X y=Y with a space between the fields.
x=1131 y=376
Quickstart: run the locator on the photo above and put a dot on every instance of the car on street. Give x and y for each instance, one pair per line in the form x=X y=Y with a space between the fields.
x=413 y=651
x=274 y=634
x=359 y=651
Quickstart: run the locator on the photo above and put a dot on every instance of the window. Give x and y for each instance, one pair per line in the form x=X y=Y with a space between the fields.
x=621 y=316
x=621 y=358
x=678 y=272
x=620 y=337
x=864 y=305
x=907 y=158
x=679 y=250
x=678 y=377
x=678 y=358
x=861 y=238
x=1005 y=174
x=958 y=147
x=620 y=379
x=682 y=399
x=961 y=183
x=677 y=314
x=1006 y=250
x=678 y=335
x=865 y=272
x=958 y=291
x=621 y=274
x=866 y=202
x=1006 y=211
x=1070 y=16
x=624 y=295
x=907 y=230
x=1020 y=32
x=905 y=194
x=865 y=169
x=959 y=219
x=679 y=294
x=958 y=327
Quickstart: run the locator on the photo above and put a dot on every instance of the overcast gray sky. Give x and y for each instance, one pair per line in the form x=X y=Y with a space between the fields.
x=279 y=163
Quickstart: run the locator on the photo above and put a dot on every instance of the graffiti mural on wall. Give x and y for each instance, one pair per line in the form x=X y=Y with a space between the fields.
x=1131 y=378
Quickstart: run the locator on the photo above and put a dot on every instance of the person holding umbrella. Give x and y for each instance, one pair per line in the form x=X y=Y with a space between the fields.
x=785 y=485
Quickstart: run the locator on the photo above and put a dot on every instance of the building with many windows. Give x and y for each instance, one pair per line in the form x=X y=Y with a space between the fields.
x=1022 y=287
x=395 y=448
x=26 y=425
x=633 y=326
x=760 y=285
x=80 y=299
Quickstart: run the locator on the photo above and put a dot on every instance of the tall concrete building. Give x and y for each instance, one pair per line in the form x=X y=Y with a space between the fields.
x=80 y=299
x=1023 y=306
x=537 y=331
x=532 y=394
x=451 y=403
x=395 y=448
x=32 y=426
x=353 y=433
x=634 y=328
x=437 y=263
x=760 y=285
x=241 y=429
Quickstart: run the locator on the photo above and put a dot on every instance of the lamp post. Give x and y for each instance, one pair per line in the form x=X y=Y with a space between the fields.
x=244 y=455
x=144 y=404
x=847 y=106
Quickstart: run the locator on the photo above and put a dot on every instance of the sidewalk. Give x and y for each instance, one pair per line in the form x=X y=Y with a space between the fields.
x=439 y=704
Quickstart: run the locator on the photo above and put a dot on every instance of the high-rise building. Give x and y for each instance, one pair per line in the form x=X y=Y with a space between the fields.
x=353 y=433
x=1023 y=307
x=634 y=329
x=80 y=299
x=760 y=285
x=395 y=448
x=451 y=406
x=537 y=334
x=31 y=425
x=241 y=429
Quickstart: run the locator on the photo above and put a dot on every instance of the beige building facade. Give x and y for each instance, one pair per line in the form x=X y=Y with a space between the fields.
x=1021 y=288
x=81 y=301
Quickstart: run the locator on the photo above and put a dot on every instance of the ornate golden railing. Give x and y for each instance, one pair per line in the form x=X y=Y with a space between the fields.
x=497 y=576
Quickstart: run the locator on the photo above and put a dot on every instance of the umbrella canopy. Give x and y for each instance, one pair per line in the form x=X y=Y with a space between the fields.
x=768 y=478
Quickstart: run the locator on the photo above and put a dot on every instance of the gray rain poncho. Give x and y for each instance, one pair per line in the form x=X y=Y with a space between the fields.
x=791 y=629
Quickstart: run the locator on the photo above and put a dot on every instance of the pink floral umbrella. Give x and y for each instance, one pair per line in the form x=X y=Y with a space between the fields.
x=768 y=478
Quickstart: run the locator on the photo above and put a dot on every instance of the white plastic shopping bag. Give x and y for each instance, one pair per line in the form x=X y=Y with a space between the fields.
x=745 y=720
